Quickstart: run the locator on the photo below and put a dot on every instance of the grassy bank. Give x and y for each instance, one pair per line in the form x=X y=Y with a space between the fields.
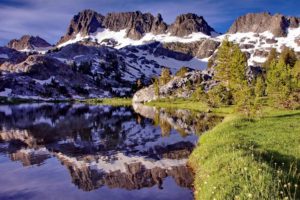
x=189 y=104
x=109 y=101
x=246 y=158
x=242 y=159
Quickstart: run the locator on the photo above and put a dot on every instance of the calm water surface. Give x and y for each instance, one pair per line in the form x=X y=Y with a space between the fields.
x=76 y=151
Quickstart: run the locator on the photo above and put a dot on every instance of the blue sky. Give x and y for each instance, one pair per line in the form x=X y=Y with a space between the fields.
x=49 y=18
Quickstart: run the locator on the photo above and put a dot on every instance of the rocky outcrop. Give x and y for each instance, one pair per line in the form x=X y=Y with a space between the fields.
x=261 y=22
x=187 y=24
x=145 y=95
x=207 y=48
x=200 y=49
x=180 y=87
x=27 y=43
x=42 y=66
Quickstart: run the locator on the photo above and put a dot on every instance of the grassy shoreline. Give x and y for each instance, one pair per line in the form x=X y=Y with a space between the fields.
x=257 y=158
x=109 y=101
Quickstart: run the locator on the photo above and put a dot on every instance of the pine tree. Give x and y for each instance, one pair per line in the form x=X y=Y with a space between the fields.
x=231 y=71
x=156 y=87
x=238 y=67
x=272 y=56
x=223 y=62
x=296 y=74
x=260 y=87
x=280 y=83
x=165 y=76
x=288 y=56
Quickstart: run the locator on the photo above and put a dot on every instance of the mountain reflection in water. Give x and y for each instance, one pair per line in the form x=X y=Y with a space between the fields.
x=120 y=150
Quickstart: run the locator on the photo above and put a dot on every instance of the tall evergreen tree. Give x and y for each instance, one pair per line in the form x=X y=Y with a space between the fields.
x=279 y=81
x=231 y=70
x=271 y=57
x=260 y=87
x=223 y=62
x=165 y=76
x=288 y=56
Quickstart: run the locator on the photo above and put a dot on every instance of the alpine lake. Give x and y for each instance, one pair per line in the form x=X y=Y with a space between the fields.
x=80 y=151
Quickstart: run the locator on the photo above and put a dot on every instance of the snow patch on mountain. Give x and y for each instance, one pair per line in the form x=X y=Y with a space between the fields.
x=122 y=40
x=263 y=42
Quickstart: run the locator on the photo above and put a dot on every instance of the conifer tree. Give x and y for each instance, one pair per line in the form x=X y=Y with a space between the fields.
x=231 y=70
x=296 y=73
x=238 y=68
x=165 y=76
x=288 y=56
x=156 y=87
x=272 y=56
x=223 y=62
x=280 y=83
x=260 y=86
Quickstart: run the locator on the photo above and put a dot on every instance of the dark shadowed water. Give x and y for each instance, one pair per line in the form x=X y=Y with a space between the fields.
x=76 y=151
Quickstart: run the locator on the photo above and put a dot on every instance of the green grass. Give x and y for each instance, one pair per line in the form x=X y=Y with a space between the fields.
x=249 y=159
x=189 y=104
x=242 y=158
x=110 y=101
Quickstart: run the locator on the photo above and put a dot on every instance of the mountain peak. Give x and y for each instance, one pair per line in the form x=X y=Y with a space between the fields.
x=85 y=22
x=186 y=24
x=277 y=24
x=28 y=42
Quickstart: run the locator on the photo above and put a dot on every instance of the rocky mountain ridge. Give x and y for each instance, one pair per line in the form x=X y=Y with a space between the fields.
x=105 y=56
x=136 y=24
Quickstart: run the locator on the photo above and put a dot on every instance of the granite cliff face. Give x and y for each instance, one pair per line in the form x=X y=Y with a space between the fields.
x=261 y=22
x=187 y=24
x=201 y=49
x=135 y=23
x=29 y=43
